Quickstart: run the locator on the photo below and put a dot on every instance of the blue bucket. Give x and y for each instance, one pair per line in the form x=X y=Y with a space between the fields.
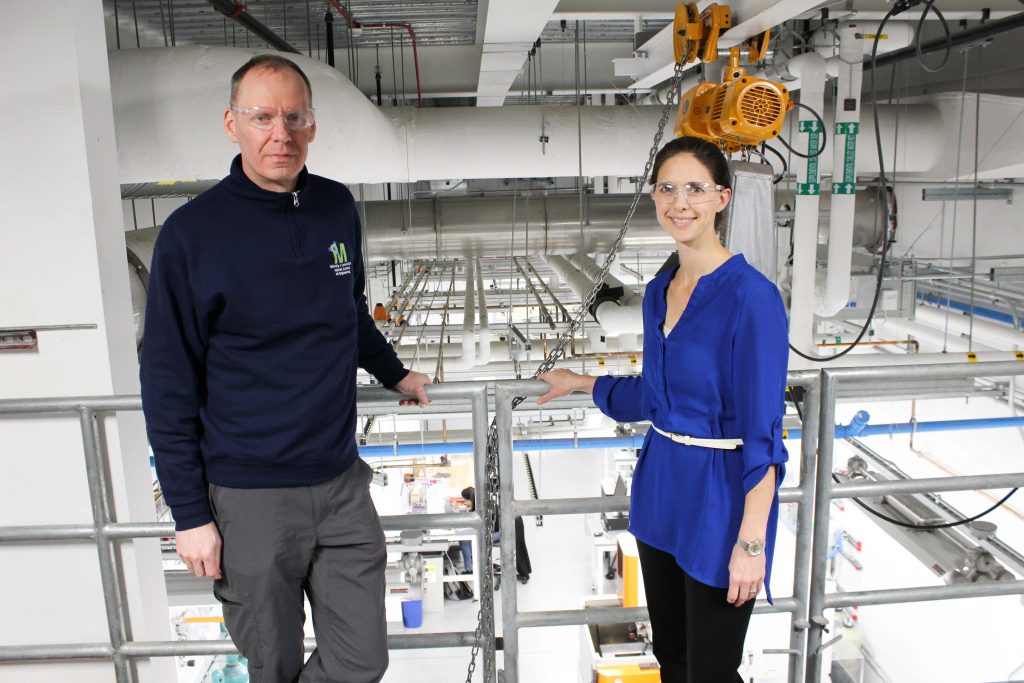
x=412 y=613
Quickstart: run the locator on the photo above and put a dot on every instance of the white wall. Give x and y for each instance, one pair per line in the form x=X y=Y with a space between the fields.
x=63 y=262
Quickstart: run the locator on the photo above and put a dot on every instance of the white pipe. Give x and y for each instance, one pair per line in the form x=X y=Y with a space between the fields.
x=579 y=283
x=483 y=356
x=587 y=266
x=468 y=357
x=844 y=175
x=622 y=318
x=811 y=67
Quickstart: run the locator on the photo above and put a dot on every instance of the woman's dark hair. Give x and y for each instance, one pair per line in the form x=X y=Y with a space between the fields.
x=707 y=154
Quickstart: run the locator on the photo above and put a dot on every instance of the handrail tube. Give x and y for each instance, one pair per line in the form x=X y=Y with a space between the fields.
x=929 y=485
x=899 y=373
x=924 y=593
x=176 y=648
x=589 y=615
x=50 y=532
x=577 y=506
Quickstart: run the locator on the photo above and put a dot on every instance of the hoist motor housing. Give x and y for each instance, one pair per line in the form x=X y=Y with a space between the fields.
x=741 y=112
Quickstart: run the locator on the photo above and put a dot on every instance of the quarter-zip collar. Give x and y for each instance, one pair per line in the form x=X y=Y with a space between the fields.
x=239 y=184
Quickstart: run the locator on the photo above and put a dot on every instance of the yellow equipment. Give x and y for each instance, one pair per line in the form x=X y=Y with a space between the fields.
x=742 y=111
x=628 y=673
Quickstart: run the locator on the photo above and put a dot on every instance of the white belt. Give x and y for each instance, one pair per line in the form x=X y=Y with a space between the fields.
x=687 y=440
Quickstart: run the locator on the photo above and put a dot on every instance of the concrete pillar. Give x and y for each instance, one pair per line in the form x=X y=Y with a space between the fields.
x=63 y=262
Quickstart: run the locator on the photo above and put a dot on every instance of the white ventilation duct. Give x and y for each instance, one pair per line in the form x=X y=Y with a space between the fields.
x=168 y=113
x=169 y=104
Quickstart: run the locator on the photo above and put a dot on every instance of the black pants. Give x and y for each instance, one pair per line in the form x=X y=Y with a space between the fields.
x=698 y=636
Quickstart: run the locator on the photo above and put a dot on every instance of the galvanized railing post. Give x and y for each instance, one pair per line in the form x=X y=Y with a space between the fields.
x=96 y=469
x=820 y=531
x=804 y=518
x=504 y=392
x=483 y=562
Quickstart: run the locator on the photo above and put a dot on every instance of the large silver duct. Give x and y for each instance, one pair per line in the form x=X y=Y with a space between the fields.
x=448 y=227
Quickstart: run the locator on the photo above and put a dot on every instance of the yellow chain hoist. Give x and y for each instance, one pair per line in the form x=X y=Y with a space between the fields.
x=741 y=111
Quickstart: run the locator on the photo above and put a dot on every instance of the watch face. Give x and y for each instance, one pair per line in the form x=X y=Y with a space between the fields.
x=754 y=547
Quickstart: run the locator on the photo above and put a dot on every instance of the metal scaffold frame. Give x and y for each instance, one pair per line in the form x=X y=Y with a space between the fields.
x=813 y=495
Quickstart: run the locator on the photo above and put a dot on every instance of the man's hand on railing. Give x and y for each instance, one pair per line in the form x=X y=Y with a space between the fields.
x=199 y=549
x=413 y=384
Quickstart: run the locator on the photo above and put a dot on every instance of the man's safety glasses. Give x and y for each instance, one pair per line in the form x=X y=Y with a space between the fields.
x=263 y=118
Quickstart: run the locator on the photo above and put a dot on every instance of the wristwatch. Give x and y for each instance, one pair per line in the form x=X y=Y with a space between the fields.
x=753 y=548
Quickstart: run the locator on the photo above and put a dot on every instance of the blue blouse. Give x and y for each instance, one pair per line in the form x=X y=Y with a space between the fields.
x=720 y=373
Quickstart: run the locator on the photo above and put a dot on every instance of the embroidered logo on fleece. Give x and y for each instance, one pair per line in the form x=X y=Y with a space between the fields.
x=341 y=265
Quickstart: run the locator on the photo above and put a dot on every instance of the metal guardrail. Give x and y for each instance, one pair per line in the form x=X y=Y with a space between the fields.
x=510 y=508
x=812 y=494
x=826 y=490
x=106 y=532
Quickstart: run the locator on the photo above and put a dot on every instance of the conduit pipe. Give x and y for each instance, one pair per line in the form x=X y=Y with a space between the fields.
x=468 y=357
x=836 y=285
x=811 y=68
x=483 y=355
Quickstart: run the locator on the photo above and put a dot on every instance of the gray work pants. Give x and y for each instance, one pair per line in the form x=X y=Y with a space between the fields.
x=325 y=541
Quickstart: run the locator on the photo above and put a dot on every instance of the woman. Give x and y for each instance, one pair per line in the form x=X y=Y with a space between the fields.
x=704 y=512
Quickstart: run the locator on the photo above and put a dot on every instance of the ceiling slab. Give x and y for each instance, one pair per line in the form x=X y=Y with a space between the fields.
x=510 y=30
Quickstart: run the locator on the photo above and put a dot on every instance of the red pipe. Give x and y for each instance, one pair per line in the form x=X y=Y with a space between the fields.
x=412 y=37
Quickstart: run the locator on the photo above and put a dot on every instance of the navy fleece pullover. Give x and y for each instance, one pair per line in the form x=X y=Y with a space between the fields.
x=255 y=322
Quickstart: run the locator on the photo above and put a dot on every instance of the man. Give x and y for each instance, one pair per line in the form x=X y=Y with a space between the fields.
x=255 y=323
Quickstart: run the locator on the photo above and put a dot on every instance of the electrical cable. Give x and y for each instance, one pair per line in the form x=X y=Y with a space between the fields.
x=917 y=37
x=923 y=527
x=928 y=527
x=824 y=135
x=785 y=166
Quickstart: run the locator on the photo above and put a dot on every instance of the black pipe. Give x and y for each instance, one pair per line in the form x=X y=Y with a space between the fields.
x=237 y=12
x=376 y=76
x=329 y=20
x=969 y=36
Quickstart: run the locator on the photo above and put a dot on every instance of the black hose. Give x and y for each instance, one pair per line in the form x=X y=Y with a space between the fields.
x=824 y=135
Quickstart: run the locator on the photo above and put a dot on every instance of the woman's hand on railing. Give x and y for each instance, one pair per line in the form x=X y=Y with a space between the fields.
x=563 y=383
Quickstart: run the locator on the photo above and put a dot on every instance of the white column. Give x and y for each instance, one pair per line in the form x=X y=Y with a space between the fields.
x=63 y=261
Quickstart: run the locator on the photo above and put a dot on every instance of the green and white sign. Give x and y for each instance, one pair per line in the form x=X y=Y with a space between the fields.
x=849 y=181
x=811 y=184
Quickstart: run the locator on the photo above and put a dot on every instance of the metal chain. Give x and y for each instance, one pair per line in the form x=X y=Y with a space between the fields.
x=485 y=616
